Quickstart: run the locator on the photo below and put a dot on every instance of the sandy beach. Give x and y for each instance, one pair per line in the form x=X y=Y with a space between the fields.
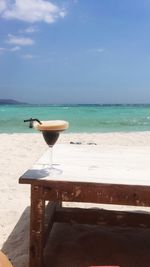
x=124 y=154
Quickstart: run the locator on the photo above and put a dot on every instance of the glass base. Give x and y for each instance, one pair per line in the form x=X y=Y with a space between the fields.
x=53 y=169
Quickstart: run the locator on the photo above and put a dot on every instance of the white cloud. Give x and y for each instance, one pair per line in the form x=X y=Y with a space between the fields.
x=28 y=56
x=2 y=49
x=99 y=50
x=15 y=48
x=19 y=41
x=30 y=30
x=32 y=10
x=95 y=51
x=2 y=5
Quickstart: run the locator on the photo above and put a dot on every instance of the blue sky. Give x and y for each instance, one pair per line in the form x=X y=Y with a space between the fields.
x=75 y=51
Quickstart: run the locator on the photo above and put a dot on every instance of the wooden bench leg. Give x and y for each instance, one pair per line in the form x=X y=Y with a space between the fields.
x=36 y=227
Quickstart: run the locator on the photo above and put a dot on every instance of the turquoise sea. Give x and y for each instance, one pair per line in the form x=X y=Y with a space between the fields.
x=82 y=118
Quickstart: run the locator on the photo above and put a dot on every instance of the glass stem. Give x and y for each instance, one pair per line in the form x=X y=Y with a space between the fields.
x=51 y=156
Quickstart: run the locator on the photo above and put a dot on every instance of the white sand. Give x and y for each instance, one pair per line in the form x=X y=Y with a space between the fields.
x=20 y=151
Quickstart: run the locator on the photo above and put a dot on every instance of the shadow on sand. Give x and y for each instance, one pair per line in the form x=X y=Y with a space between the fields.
x=17 y=244
x=74 y=245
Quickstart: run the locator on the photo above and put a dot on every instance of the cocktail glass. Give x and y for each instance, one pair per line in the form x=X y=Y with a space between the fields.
x=51 y=131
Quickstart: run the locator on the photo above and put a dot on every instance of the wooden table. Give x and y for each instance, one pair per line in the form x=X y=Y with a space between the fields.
x=79 y=180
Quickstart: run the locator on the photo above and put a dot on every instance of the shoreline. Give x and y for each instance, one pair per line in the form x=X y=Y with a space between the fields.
x=68 y=133
x=120 y=154
x=111 y=138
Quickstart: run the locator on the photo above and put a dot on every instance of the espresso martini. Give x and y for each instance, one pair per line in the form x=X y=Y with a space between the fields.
x=51 y=130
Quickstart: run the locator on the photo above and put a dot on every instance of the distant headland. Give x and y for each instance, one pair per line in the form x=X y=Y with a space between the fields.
x=10 y=102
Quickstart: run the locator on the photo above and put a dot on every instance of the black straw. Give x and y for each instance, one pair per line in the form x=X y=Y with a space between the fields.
x=31 y=122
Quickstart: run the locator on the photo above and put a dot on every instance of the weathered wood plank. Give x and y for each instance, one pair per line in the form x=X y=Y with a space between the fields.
x=102 y=217
x=97 y=193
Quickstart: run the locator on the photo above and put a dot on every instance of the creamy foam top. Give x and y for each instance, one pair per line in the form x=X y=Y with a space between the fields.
x=54 y=125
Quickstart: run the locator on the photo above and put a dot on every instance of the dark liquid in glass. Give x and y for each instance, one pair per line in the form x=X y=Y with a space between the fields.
x=50 y=137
